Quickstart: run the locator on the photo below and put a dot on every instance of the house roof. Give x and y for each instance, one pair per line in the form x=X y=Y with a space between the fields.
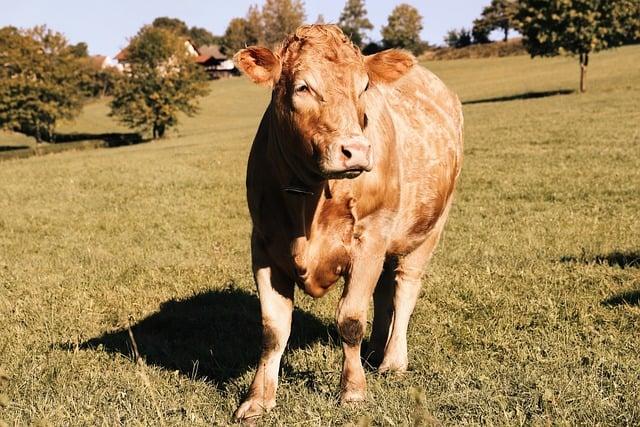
x=97 y=61
x=212 y=50
x=122 y=55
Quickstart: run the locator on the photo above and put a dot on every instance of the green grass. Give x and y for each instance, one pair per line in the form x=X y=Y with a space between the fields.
x=530 y=312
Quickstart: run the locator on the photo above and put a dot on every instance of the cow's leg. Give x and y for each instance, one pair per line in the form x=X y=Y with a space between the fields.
x=352 y=322
x=276 y=306
x=382 y=313
x=408 y=283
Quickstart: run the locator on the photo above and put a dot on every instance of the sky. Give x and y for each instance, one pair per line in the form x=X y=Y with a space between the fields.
x=106 y=25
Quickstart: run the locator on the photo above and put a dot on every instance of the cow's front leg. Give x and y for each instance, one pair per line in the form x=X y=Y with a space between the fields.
x=352 y=322
x=276 y=306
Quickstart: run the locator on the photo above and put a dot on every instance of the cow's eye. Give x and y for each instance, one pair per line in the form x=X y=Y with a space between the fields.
x=301 y=88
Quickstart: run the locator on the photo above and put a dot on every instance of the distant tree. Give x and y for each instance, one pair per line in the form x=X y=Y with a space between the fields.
x=79 y=50
x=320 y=19
x=176 y=25
x=199 y=36
x=372 y=47
x=236 y=37
x=499 y=15
x=161 y=80
x=243 y=32
x=578 y=27
x=255 y=26
x=354 y=22
x=458 y=38
x=480 y=35
x=38 y=81
x=281 y=17
x=202 y=37
x=403 y=29
x=95 y=81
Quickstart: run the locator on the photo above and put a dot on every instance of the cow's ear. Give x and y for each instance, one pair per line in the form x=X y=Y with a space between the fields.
x=389 y=65
x=260 y=64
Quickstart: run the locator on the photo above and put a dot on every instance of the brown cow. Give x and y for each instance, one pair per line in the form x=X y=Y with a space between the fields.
x=350 y=175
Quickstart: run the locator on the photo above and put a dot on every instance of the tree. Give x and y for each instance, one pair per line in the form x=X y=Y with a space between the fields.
x=354 y=22
x=499 y=15
x=458 y=38
x=79 y=50
x=198 y=35
x=255 y=26
x=281 y=17
x=161 y=80
x=202 y=37
x=403 y=29
x=480 y=35
x=38 y=81
x=579 y=27
x=236 y=37
x=176 y=25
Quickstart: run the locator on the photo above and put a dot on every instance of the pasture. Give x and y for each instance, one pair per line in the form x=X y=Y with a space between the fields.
x=126 y=295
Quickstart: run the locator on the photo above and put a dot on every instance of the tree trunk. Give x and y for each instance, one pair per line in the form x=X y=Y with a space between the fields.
x=584 y=63
x=155 y=131
x=37 y=129
x=161 y=129
x=506 y=33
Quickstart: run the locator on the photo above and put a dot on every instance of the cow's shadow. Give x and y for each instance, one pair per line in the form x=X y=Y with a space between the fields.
x=214 y=335
x=630 y=259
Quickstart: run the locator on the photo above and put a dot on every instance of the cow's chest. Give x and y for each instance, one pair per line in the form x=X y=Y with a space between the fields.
x=323 y=254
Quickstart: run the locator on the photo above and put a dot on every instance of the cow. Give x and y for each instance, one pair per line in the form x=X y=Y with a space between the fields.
x=351 y=175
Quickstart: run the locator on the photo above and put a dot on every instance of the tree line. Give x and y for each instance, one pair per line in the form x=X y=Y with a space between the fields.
x=270 y=24
x=45 y=79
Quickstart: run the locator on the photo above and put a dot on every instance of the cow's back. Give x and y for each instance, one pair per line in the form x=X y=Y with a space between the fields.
x=428 y=120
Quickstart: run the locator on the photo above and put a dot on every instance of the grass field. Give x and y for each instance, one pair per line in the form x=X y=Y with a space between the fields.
x=530 y=313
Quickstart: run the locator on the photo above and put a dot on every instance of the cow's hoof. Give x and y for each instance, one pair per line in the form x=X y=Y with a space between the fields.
x=398 y=367
x=253 y=408
x=352 y=396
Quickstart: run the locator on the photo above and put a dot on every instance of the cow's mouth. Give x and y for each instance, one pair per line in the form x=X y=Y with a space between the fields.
x=346 y=174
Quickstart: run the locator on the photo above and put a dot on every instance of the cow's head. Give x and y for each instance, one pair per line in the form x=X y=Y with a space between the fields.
x=320 y=82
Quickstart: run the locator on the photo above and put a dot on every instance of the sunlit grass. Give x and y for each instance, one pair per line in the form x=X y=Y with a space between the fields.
x=529 y=314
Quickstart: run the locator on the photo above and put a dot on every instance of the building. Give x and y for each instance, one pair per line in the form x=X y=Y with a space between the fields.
x=210 y=57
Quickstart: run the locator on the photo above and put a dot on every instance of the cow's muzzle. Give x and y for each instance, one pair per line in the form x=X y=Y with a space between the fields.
x=350 y=158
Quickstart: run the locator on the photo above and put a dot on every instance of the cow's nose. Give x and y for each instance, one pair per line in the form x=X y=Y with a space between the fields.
x=356 y=155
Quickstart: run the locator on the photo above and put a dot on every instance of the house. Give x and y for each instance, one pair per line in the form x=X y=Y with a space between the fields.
x=210 y=57
x=101 y=62
x=215 y=62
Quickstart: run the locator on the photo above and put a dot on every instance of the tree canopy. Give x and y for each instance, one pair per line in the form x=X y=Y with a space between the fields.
x=403 y=29
x=161 y=80
x=38 y=81
x=354 y=22
x=242 y=32
x=281 y=17
x=198 y=35
x=499 y=15
x=578 y=27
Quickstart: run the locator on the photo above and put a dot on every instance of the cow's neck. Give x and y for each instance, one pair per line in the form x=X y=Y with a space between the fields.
x=293 y=178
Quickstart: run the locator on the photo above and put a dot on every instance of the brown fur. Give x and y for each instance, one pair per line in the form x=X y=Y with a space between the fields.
x=348 y=227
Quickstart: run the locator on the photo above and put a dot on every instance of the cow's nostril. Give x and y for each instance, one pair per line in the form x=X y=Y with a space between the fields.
x=346 y=152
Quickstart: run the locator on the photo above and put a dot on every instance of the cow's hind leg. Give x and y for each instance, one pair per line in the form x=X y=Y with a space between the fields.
x=276 y=306
x=408 y=278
